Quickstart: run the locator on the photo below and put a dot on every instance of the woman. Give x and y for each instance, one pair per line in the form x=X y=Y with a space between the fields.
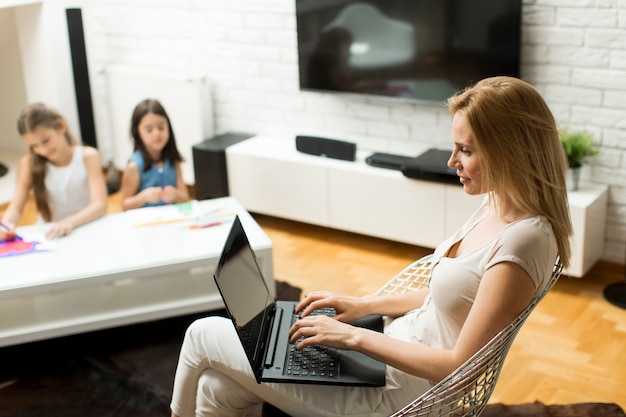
x=505 y=145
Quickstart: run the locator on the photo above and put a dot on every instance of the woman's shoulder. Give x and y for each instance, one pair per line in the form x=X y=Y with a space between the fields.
x=532 y=235
x=532 y=226
x=26 y=160
x=89 y=152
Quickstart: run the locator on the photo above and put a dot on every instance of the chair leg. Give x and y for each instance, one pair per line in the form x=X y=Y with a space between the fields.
x=270 y=411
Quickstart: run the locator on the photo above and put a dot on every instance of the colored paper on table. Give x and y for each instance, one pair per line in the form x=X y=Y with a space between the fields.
x=23 y=247
x=169 y=213
x=190 y=212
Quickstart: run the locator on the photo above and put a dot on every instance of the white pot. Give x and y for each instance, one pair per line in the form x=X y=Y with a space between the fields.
x=572 y=179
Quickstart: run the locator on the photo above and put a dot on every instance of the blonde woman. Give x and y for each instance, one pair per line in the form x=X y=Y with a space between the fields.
x=505 y=146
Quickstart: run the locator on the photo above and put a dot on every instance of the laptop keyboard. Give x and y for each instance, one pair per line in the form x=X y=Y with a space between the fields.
x=313 y=361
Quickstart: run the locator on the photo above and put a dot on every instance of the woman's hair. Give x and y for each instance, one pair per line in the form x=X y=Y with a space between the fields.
x=522 y=159
x=170 y=151
x=34 y=116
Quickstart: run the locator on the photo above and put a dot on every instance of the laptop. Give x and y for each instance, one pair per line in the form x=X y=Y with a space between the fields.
x=263 y=324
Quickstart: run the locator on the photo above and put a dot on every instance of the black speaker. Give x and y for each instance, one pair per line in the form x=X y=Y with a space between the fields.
x=431 y=165
x=209 y=164
x=332 y=148
x=82 y=87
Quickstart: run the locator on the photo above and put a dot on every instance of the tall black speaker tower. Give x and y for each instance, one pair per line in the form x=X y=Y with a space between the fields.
x=81 y=76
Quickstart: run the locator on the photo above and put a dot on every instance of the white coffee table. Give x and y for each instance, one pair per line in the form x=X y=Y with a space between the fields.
x=114 y=272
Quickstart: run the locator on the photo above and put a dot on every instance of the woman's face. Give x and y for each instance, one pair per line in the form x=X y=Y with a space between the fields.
x=465 y=158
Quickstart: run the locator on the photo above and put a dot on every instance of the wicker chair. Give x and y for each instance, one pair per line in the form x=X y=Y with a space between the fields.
x=466 y=391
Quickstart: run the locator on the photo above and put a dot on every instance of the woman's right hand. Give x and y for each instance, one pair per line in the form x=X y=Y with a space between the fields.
x=151 y=195
x=348 y=308
x=6 y=235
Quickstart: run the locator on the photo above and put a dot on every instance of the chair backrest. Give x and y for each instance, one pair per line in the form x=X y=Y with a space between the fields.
x=466 y=391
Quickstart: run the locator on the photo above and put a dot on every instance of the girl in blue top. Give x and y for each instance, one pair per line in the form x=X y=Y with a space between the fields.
x=153 y=175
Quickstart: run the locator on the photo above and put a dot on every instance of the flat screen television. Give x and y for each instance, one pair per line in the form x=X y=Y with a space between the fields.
x=422 y=50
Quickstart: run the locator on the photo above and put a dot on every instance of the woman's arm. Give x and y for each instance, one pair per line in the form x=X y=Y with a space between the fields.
x=13 y=213
x=97 y=193
x=505 y=290
x=131 y=199
x=350 y=308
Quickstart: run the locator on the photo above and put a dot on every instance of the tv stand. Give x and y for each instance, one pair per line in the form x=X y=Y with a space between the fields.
x=268 y=175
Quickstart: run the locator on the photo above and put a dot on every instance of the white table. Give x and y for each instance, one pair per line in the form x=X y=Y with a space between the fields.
x=112 y=272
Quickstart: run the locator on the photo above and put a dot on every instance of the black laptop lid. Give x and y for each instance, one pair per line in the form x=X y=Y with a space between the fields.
x=245 y=294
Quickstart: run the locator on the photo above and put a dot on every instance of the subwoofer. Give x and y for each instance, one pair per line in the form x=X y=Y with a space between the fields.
x=209 y=164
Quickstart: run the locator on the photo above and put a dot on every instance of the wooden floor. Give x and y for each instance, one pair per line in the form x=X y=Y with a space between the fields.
x=572 y=348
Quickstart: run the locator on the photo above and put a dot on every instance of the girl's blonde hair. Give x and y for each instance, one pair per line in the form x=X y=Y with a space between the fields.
x=523 y=161
x=30 y=118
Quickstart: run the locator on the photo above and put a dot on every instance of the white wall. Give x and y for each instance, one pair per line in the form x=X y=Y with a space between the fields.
x=35 y=63
x=12 y=91
x=574 y=52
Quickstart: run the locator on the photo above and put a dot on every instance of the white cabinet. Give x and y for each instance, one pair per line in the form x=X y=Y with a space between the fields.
x=377 y=202
x=273 y=178
x=268 y=175
x=588 y=212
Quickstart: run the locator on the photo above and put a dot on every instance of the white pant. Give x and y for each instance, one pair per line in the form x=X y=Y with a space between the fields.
x=214 y=378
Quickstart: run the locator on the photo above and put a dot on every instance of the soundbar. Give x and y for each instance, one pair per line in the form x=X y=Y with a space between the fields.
x=387 y=160
x=331 y=148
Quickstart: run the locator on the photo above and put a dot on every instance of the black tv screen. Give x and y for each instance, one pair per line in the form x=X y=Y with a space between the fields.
x=422 y=50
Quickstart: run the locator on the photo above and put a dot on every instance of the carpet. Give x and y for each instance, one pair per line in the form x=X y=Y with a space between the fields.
x=122 y=372
x=128 y=372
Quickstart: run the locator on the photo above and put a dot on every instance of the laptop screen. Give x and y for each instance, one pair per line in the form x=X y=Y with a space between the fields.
x=245 y=293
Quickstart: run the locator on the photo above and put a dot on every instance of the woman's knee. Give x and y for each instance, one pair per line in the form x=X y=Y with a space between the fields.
x=218 y=394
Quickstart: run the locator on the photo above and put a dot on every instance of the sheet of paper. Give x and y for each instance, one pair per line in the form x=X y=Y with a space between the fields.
x=190 y=213
x=28 y=244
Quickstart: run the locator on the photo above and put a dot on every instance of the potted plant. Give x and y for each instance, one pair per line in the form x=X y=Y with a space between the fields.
x=578 y=145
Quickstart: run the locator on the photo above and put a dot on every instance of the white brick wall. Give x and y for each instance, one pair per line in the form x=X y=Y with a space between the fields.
x=574 y=52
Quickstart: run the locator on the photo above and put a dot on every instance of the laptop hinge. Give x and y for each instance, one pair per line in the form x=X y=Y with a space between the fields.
x=270 y=352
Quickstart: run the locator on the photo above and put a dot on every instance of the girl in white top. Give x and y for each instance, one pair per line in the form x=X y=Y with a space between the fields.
x=505 y=145
x=66 y=180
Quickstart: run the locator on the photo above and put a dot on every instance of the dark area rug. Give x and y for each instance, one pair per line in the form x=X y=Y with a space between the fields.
x=128 y=372
x=122 y=372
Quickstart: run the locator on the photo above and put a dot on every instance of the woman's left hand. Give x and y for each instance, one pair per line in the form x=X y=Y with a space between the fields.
x=59 y=229
x=169 y=194
x=323 y=330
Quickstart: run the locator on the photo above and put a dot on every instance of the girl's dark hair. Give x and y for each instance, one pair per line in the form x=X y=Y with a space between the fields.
x=34 y=116
x=170 y=151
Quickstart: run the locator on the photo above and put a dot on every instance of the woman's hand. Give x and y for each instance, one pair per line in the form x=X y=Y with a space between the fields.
x=325 y=331
x=6 y=234
x=151 y=195
x=169 y=194
x=347 y=308
x=59 y=229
